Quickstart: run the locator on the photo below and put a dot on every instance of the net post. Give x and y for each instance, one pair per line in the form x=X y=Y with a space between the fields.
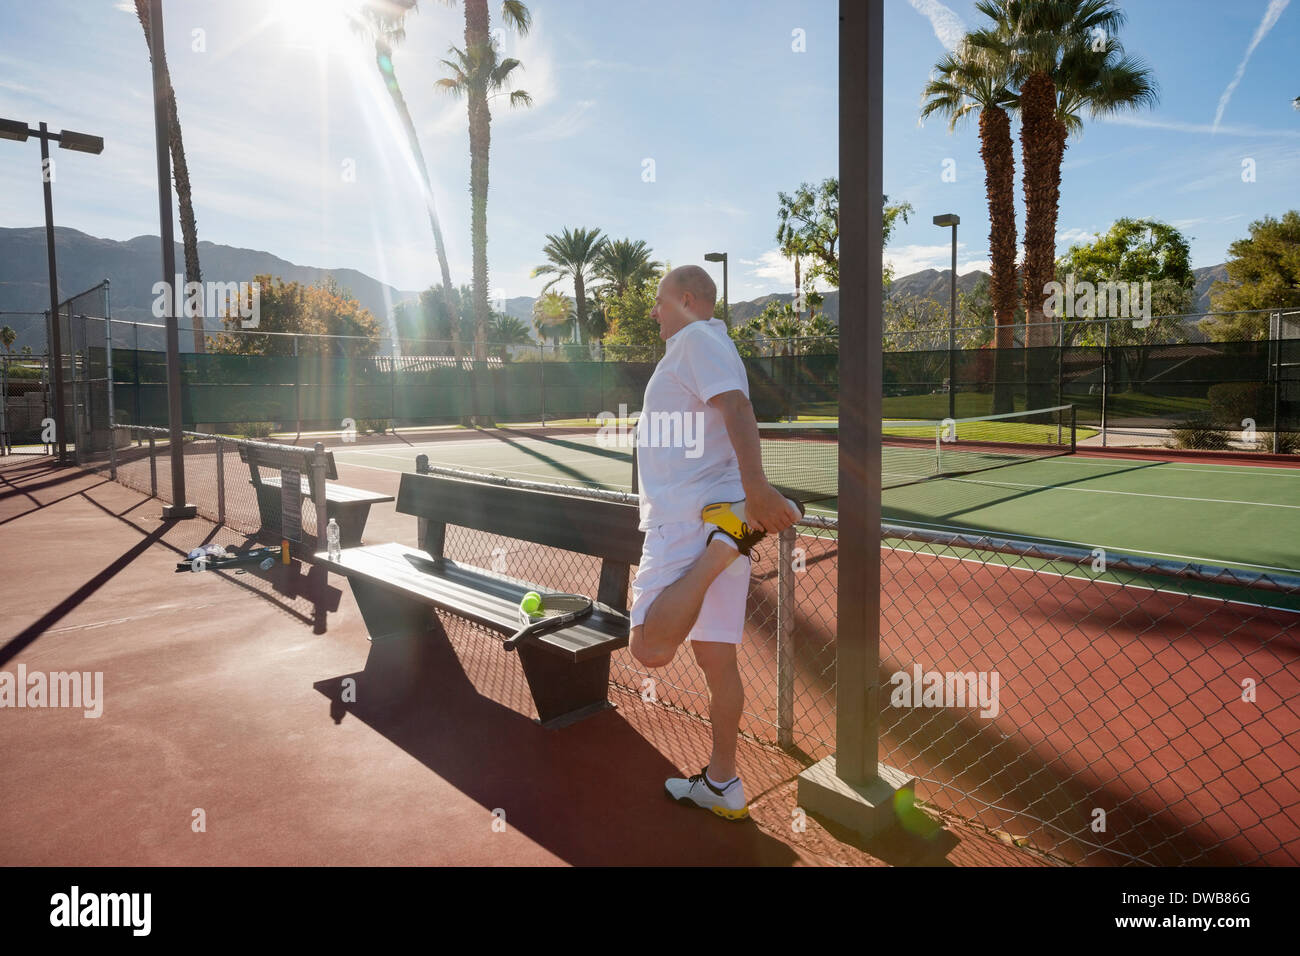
x=221 y=482
x=1074 y=429
x=112 y=449
x=153 y=469
x=785 y=640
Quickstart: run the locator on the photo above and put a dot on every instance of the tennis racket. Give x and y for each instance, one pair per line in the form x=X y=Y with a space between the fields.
x=557 y=611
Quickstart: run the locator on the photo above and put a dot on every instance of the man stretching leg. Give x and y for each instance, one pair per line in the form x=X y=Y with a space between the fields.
x=704 y=502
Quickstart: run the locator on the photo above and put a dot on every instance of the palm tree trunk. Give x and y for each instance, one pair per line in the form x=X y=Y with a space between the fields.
x=1037 y=141
x=580 y=298
x=181 y=175
x=480 y=135
x=999 y=184
x=383 y=54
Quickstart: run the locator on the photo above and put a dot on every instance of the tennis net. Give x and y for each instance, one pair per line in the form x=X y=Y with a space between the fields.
x=802 y=458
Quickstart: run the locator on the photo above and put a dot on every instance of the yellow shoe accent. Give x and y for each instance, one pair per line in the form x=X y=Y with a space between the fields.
x=727 y=515
x=735 y=815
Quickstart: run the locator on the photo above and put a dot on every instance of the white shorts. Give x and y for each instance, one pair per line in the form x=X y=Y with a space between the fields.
x=668 y=551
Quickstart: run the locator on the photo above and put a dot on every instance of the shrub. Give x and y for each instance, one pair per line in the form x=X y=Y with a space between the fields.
x=376 y=425
x=253 y=430
x=1200 y=434
x=1288 y=443
x=1231 y=403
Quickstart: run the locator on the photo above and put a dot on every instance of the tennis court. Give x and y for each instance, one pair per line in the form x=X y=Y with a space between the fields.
x=1238 y=516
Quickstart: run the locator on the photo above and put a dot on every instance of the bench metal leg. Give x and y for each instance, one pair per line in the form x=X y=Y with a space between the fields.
x=565 y=692
x=387 y=613
x=351 y=520
x=268 y=507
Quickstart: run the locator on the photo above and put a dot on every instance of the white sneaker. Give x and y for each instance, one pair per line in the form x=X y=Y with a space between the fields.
x=696 y=791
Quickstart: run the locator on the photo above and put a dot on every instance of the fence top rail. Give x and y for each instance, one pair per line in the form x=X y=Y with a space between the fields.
x=307 y=453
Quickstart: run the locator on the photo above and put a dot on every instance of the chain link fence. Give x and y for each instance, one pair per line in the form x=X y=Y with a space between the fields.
x=1095 y=708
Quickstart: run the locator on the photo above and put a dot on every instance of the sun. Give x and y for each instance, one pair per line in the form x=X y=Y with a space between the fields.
x=321 y=26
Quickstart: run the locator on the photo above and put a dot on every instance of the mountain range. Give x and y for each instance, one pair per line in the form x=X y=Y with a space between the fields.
x=132 y=268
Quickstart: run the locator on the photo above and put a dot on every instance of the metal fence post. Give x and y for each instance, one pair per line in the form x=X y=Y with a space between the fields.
x=221 y=483
x=318 y=466
x=153 y=470
x=1105 y=377
x=785 y=656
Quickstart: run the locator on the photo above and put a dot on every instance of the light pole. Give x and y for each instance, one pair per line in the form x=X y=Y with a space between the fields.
x=951 y=219
x=722 y=257
x=81 y=142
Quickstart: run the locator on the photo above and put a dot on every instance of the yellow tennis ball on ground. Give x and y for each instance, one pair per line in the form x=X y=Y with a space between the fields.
x=532 y=602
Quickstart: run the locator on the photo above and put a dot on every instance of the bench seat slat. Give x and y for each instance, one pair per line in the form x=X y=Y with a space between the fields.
x=489 y=599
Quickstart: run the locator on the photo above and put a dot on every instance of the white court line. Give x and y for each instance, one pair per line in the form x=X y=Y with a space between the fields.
x=1187 y=559
x=1268 y=471
x=1133 y=494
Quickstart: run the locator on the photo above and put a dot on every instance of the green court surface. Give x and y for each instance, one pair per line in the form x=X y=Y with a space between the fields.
x=1241 y=516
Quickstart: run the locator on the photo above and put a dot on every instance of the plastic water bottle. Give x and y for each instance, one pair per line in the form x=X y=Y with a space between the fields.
x=332 y=537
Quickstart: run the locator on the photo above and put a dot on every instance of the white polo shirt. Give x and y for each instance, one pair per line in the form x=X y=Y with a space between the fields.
x=684 y=455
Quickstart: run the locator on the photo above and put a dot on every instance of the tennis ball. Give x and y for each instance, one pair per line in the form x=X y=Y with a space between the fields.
x=532 y=603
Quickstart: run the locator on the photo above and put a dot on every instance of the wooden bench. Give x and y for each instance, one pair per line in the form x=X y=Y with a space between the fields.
x=397 y=587
x=349 y=507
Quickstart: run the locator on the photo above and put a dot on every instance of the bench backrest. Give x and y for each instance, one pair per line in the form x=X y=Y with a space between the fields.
x=606 y=529
x=297 y=459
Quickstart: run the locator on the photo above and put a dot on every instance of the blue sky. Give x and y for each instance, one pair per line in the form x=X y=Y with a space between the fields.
x=277 y=105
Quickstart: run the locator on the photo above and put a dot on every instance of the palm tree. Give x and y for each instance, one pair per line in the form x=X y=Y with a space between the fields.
x=792 y=247
x=573 y=255
x=976 y=78
x=1060 y=67
x=625 y=264
x=505 y=330
x=181 y=175
x=385 y=22
x=553 y=316
x=476 y=72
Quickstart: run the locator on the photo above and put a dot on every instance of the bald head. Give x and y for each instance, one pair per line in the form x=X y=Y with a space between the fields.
x=699 y=284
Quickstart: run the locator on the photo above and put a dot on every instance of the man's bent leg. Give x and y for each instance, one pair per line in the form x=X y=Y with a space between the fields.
x=673 y=612
x=726 y=700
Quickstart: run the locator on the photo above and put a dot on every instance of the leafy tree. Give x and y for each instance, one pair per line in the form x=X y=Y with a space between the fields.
x=427 y=324
x=553 y=316
x=1263 y=273
x=323 y=309
x=1133 y=251
x=633 y=334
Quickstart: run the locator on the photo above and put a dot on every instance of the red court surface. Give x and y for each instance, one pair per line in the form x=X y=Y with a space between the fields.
x=221 y=700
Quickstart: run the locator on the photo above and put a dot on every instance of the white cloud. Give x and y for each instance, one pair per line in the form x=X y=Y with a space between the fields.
x=573 y=121
x=1275 y=8
x=773 y=266
x=1074 y=237
x=948 y=27
x=1178 y=126
x=915 y=258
